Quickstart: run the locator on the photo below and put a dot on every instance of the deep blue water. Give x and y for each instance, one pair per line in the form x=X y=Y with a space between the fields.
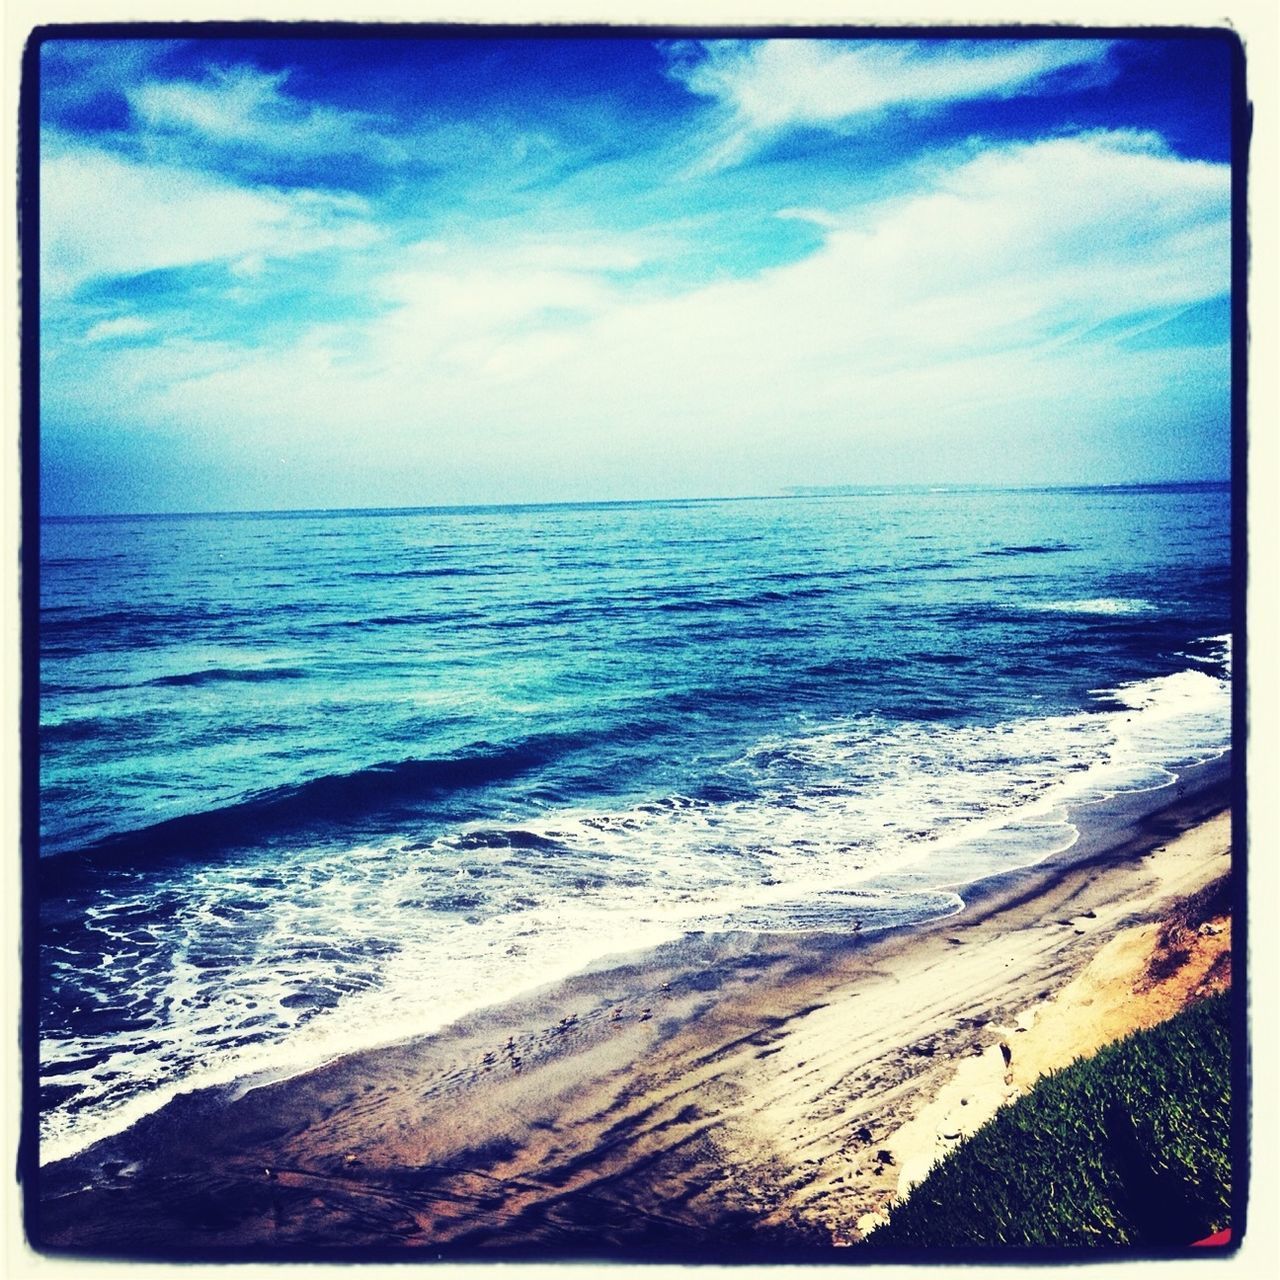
x=314 y=780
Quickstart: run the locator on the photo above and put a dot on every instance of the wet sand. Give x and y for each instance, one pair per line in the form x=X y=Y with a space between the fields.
x=731 y=1097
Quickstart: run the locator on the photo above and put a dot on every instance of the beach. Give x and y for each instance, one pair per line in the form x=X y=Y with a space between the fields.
x=725 y=1096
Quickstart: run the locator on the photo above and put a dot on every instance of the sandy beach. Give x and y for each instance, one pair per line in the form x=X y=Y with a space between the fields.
x=744 y=1096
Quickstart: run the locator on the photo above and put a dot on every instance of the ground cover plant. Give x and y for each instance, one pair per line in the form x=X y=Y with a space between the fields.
x=1129 y=1147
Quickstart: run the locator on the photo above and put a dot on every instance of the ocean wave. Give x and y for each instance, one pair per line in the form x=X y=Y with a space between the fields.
x=1107 y=605
x=716 y=604
x=326 y=801
x=1031 y=549
x=435 y=571
x=219 y=675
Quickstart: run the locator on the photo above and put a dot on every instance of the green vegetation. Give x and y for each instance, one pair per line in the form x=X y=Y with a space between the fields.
x=1130 y=1147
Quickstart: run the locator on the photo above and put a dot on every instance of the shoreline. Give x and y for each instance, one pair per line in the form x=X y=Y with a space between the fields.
x=722 y=1094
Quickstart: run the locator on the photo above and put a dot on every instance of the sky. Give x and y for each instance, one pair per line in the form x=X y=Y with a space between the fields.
x=286 y=273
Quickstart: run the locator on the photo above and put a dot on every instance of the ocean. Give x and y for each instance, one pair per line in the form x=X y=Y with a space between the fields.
x=314 y=781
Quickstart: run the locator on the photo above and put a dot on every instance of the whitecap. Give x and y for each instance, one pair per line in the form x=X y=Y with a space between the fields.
x=1096 y=604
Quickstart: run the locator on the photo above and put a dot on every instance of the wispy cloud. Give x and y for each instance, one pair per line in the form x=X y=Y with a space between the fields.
x=491 y=308
x=118 y=327
x=766 y=87
x=103 y=215
x=244 y=106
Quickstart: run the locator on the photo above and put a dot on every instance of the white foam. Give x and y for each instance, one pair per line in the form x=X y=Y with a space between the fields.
x=1096 y=604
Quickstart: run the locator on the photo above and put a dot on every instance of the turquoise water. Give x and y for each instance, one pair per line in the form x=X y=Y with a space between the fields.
x=310 y=781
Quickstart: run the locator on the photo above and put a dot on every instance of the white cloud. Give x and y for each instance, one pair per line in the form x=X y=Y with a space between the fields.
x=243 y=105
x=119 y=327
x=997 y=258
x=103 y=215
x=768 y=86
x=817 y=217
x=584 y=252
x=223 y=109
x=982 y=307
x=500 y=308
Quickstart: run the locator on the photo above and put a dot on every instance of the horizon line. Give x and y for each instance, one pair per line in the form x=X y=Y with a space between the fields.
x=791 y=493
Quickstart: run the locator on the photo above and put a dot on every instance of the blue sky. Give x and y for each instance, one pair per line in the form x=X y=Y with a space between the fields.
x=282 y=273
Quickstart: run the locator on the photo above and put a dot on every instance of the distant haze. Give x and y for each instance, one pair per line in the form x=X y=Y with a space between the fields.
x=302 y=273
